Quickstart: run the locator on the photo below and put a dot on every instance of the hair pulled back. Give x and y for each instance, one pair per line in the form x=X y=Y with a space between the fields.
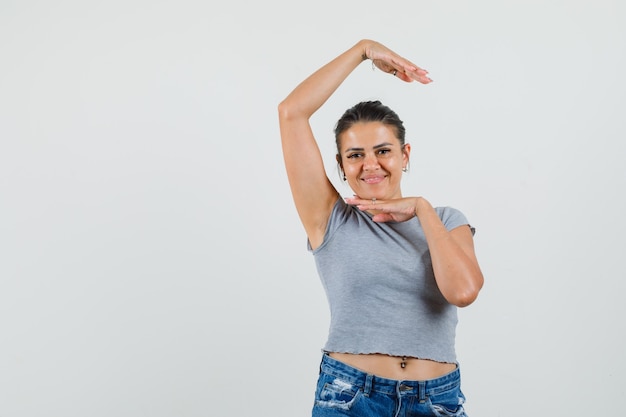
x=369 y=111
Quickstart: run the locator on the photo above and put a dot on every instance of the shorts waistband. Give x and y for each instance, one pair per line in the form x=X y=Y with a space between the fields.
x=370 y=382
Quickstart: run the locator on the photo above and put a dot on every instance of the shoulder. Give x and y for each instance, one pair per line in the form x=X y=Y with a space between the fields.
x=341 y=214
x=344 y=219
x=452 y=217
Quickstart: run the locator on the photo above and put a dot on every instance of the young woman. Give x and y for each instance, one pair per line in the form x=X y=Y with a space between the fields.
x=394 y=268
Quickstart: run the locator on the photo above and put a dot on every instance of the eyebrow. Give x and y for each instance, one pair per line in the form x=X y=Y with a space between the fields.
x=382 y=145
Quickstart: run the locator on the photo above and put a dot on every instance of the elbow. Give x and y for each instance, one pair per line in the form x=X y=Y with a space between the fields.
x=464 y=300
x=286 y=110
x=283 y=108
x=291 y=109
x=469 y=294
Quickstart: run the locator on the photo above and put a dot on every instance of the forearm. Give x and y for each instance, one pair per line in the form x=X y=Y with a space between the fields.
x=456 y=270
x=314 y=91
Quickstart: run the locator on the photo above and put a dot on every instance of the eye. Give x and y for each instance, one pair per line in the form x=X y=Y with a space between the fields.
x=355 y=155
x=383 y=151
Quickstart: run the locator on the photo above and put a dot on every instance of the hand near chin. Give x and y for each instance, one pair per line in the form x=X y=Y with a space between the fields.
x=394 y=210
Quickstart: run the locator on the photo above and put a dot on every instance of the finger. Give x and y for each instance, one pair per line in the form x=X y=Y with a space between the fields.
x=409 y=72
x=356 y=200
x=382 y=217
x=418 y=74
x=423 y=79
x=370 y=205
x=404 y=77
x=362 y=204
x=403 y=69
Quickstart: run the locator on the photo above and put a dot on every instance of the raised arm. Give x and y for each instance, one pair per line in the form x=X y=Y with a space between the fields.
x=313 y=193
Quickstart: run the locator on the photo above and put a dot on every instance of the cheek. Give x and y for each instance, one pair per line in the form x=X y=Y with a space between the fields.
x=349 y=168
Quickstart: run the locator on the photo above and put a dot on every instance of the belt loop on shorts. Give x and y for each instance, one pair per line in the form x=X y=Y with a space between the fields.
x=367 y=388
x=421 y=391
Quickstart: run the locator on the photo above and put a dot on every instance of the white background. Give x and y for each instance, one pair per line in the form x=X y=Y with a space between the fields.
x=151 y=260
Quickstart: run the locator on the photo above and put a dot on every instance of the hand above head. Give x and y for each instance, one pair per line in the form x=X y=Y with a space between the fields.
x=390 y=62
x=314 y=194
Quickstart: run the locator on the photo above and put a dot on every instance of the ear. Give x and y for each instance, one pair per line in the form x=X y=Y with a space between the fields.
x=340 y=170
x=406 y=152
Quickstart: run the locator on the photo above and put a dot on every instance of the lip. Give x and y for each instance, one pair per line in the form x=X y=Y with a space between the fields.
x=373 y=179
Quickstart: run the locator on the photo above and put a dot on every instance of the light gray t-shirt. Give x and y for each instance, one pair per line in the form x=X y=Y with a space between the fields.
x=381 y=289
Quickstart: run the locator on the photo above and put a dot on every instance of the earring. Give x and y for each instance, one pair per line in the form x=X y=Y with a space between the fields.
x=344 y=176
x=405 y=169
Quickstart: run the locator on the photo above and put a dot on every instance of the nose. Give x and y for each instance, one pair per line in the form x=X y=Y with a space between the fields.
x=370 y=162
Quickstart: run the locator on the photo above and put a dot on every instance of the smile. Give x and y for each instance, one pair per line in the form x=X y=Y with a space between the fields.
x=373 y=180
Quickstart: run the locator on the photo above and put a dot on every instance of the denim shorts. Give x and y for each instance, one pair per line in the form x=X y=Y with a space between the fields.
x=346 y=391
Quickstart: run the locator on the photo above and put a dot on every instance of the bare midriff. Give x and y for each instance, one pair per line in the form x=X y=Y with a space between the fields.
x=395 y=367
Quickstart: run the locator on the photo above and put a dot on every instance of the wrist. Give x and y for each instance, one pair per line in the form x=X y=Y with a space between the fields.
x=364 y=48
x=420 y=204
